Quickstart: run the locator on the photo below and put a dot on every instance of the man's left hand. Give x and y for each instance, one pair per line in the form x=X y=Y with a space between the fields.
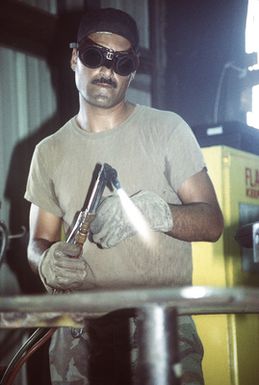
x=112 y=225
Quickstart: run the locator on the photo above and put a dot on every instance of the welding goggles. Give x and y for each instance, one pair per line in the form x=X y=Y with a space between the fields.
x=93 y=55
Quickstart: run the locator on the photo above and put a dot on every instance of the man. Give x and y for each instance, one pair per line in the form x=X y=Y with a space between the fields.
x=159 y=165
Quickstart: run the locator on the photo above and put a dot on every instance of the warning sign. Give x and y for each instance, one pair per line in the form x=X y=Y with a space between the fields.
x=252 y=182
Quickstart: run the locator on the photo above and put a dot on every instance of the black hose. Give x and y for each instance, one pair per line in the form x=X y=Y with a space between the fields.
x=31 y=341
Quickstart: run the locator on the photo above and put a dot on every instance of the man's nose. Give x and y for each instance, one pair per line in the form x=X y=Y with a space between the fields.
x=107 y=67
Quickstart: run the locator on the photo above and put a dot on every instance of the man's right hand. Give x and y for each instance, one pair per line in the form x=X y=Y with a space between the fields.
x=61 y=267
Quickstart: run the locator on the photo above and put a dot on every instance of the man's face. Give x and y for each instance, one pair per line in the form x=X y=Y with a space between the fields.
x=102 y=87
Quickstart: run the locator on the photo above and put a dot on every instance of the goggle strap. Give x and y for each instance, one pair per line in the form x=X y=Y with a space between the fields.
x=73 y=45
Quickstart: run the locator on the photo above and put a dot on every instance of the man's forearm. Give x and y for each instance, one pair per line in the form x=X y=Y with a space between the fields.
x=36 y=248
x=196 y=222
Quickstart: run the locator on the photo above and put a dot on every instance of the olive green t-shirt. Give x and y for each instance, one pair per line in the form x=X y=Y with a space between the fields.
x=152 y=150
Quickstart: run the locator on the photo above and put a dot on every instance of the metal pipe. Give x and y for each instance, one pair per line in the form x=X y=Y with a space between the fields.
x=158 y=358
x=188 y=300
x=156 y=318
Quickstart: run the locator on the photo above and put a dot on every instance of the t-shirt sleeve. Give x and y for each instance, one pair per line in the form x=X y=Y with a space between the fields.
x=184 y=157
x=40 y=188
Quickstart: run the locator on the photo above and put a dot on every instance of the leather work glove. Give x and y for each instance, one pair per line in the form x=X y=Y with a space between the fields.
x=60 y=267
x=112 y=225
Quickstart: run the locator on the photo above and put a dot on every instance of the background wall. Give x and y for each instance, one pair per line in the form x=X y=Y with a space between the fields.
x=201 y=37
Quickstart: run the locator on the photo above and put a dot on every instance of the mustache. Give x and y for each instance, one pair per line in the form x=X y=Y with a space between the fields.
x=105 y=80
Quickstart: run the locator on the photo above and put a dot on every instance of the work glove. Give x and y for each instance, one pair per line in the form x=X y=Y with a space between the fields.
x=112 y=224
x=62 y=268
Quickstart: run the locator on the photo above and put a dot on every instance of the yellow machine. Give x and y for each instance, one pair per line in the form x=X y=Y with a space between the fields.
x=231 y=342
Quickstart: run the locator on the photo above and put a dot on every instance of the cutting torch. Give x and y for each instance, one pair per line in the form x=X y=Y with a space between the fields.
x=103 y=175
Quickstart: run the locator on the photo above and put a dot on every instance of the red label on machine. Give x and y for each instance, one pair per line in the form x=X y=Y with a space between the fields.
x=252 y=182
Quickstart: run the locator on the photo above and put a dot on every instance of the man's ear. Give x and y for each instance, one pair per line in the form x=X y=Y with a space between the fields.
x=73 y=60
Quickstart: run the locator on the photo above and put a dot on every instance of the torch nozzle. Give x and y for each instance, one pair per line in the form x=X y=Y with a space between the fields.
x=111 y=176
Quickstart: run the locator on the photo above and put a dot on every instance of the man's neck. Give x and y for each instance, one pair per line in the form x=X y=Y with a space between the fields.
x=96 y=119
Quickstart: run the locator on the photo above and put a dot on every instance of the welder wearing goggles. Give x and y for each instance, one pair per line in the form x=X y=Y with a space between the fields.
x=160 y=168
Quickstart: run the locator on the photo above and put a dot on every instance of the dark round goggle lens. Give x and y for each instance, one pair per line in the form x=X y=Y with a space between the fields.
x=93 y=57
x=124 y=65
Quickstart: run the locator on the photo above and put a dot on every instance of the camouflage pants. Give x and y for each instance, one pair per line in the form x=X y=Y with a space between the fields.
x=105 y=353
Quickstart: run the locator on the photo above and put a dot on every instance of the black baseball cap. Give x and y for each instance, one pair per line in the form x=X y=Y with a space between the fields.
x=109 y=20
